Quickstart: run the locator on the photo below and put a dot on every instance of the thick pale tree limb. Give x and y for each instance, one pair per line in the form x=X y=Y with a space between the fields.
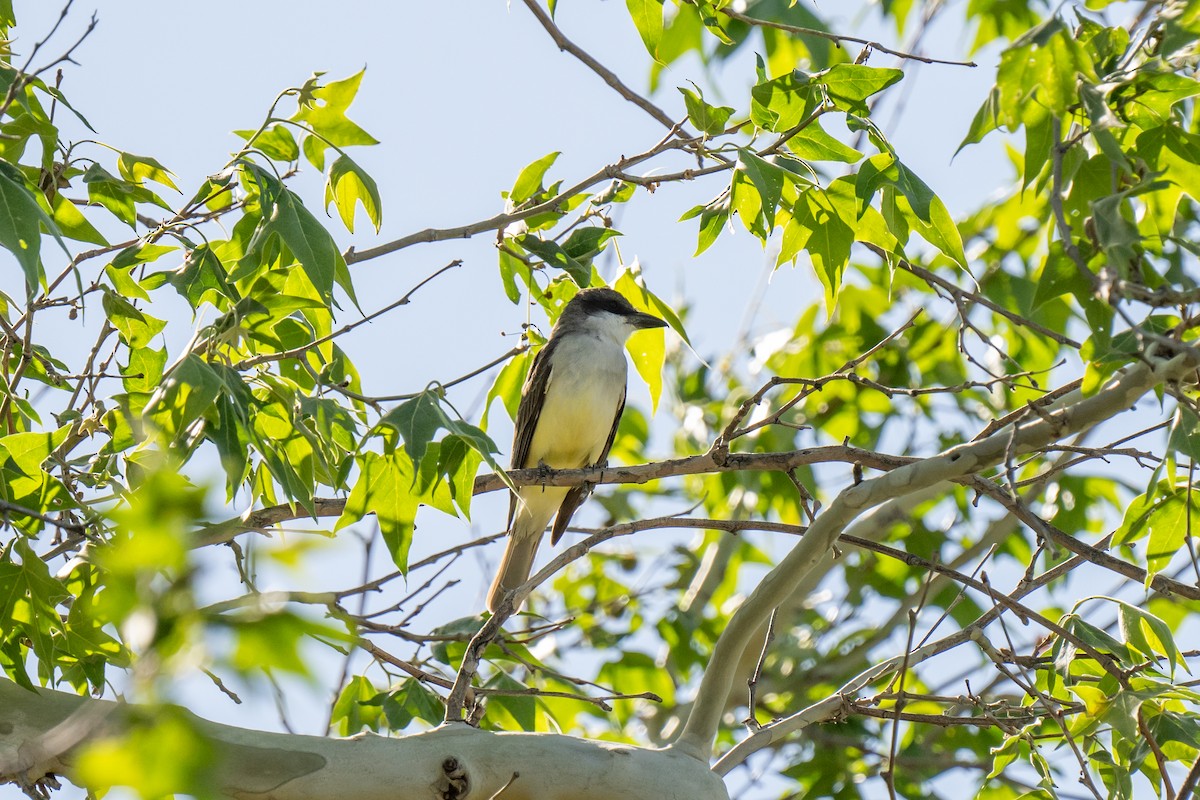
x=1073 y=413
x=41 y=732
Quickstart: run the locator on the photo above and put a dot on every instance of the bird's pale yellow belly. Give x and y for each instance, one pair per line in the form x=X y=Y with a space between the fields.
x=578 y=412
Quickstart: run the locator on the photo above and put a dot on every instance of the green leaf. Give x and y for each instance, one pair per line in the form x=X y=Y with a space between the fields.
x=767 y=178
x=555 y=256
x=352 y=711
x=1042 y=66
x=1166 y=517
x=780 y=104
x=384 y=488
x=349 y=184
x=1059 y=276
x=144 y=371
x=202 y=277
x=314 y=150
x=1157 y=95
x=1115 y=232
x=417 y=420
x=647 y=348
x=985 y=120
x=181 y=755
x=412 y=701
x=308 y=240
x=141 y=253
x=1147 y=633
x=529 y=182
x=813 y=143
x=459 y=462
x=1095 y=102
x=138 y=169
x=521 y=707
x=747 y=204
x=28 y=596
x=20 y=225
x=507 y=385
x=276 y=142
x=713 y=217
x=1039 y=138
x=119 y=196
x=709 y=119
x=70 y=221
x=586 y=242
x=136 y=327
x=124 y=283
x=1185 y=433
x=636 y=669
x=185 y=395
x=943 y=233
x=877 y=171
x=29 y=451
x=647 y=17
x=511 y=268
x=919 y=205
x=849 y=85
x=826 y=237
x=323 y=108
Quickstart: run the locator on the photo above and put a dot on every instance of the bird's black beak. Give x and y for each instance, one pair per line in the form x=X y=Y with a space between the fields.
x=640 y=320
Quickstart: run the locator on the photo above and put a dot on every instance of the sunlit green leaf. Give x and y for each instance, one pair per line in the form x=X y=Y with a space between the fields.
x=849 y=85
x=20 y=221
x=351 y=713
x=137 y=328
x=384 y=488
x=708 y=118
x=647 y=17
x=349 y=185
x=529 y=182
x=137 y=169
x=324 y=110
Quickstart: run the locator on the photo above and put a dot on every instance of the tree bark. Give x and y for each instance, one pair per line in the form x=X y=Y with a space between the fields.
x=42 y=731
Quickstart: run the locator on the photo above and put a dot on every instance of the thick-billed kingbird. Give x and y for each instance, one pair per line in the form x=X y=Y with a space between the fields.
x=570 y=406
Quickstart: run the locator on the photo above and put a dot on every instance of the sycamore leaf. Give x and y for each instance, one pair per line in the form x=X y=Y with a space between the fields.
x=647 y=17
x=349 y=184
x=138 y=169
x=21 y=219
x=529 y=182
x=384 y=488
x=308 y=240
x=708 y=118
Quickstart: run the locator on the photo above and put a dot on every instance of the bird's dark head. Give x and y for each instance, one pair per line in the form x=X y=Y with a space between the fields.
x=605 y=304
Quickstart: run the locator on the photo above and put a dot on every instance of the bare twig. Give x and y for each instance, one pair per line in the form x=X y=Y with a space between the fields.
x=838 y=38
x=302 y=349
x=595 y=66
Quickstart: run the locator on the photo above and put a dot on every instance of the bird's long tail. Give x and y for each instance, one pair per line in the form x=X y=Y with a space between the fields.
x=514 y=569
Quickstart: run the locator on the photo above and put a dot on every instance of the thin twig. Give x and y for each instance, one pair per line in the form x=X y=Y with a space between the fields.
x=839 y=38
x=302 y=349
x=595 y=66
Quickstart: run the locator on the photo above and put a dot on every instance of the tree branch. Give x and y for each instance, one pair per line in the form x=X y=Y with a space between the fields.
x=450 y=761
x=838 y=38
x=261 y=519
x=607 y=75
x=1074 y=414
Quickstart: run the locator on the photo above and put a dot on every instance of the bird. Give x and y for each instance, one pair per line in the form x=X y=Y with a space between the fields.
x=570 y=406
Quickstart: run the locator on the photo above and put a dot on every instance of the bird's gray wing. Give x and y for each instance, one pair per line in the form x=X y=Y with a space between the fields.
x=533 y=396
x=578 y=494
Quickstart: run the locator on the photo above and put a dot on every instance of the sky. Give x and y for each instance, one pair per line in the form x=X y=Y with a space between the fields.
x=462 y=95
